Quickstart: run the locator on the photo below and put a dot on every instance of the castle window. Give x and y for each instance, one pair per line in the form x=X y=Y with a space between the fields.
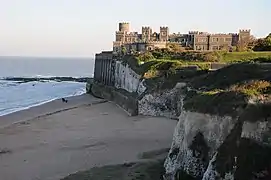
x=215 y=39
x=215 y=48
x=228 y=39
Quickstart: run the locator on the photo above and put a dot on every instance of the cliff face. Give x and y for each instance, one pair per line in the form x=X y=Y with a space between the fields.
x=211 y=147
x=224 y=119
x=127 y=79
x=224 y=129
x=166 y=103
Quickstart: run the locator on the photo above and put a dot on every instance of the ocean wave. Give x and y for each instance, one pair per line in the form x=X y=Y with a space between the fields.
x=46 y=76
x=25 y=96
x=16 y=109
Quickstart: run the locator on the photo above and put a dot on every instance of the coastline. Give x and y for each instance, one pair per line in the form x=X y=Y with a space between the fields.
x=17 y=96
x=45 y=108
x=56 y=139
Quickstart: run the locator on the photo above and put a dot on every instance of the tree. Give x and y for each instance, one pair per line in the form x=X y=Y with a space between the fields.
x=175 y=47
x=123 y=50
x=268 y=40
x=245 y=43
x=146 y=56
x=263 y=44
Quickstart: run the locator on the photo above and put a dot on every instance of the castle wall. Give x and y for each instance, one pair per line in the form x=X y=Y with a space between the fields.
x=201 y=41
x=164 y=34
x=124 y=27
x=220 y=41
x=104 y=70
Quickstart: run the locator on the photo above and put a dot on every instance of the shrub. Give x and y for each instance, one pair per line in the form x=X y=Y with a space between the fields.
x=253 y=87
x=147 y=56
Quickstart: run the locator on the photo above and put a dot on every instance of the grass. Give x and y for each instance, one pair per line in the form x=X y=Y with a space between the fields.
x=210 y=56
x=231 y=75
x=221 y=92
x=253 y=88
x=155 y=67
x=227 y=91
x=220 y=103
x=233 y=57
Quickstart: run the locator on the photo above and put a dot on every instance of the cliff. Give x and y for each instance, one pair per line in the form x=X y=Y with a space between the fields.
x=224 y=116
x=224 y=128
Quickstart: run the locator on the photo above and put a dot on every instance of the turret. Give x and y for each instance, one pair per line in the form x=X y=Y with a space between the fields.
x=164 y=34
x=146 y=33
x=124 y=27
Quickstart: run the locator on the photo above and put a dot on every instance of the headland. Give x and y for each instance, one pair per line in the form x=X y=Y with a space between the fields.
x=221 y=99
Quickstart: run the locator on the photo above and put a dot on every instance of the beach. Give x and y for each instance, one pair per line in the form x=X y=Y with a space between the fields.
x=53 y=140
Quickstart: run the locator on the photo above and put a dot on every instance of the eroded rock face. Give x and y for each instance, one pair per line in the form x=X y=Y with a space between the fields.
x=127 y=79
x=166 y=103
x=210 y=147
x=197 y=137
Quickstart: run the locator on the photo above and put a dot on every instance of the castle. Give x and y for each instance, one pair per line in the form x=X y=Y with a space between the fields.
x=195 y=40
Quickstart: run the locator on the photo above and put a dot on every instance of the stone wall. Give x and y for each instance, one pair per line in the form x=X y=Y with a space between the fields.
x=104 y=70
x=125 y=100
x=116 y=81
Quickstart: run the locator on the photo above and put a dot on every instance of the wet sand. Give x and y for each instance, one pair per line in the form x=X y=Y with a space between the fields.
x=51 y=141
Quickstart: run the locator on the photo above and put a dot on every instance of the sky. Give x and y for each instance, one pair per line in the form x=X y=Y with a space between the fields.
x=82 y=28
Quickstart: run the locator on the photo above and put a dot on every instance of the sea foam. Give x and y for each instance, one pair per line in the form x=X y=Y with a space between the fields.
x=16 y=96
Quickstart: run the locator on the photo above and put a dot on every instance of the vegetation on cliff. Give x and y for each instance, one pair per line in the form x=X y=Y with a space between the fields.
x=165 y=73
x=203 y=56
x=229 y=90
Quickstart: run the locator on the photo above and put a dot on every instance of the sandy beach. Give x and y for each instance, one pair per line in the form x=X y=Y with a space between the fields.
x=51 y=141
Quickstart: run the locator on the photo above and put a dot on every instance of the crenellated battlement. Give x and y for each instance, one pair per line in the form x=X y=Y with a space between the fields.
x=197 y=40
x=164 y=27
x=220 y=34
x=244 y=31
x=193 y=32
x=124 y=27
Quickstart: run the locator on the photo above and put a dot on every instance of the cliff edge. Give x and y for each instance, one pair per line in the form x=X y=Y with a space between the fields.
x=224 y=128
x=224 y=116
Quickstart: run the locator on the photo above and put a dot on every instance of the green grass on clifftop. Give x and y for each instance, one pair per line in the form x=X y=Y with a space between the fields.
x=155 y=65
x=205 y=56
x=227 y=91
x=233 y=57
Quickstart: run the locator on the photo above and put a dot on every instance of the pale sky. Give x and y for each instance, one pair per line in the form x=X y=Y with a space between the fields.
x=84 y=27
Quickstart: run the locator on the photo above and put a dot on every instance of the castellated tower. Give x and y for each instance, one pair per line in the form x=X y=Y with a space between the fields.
x=124 y=27
x=164 y=34
x=244 y=35
x=146 y=33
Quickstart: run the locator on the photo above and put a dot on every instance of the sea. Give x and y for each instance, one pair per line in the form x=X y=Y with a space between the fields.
x=18 y=95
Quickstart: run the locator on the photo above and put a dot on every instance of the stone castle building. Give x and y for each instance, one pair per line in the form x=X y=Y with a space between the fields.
x=201 y=41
